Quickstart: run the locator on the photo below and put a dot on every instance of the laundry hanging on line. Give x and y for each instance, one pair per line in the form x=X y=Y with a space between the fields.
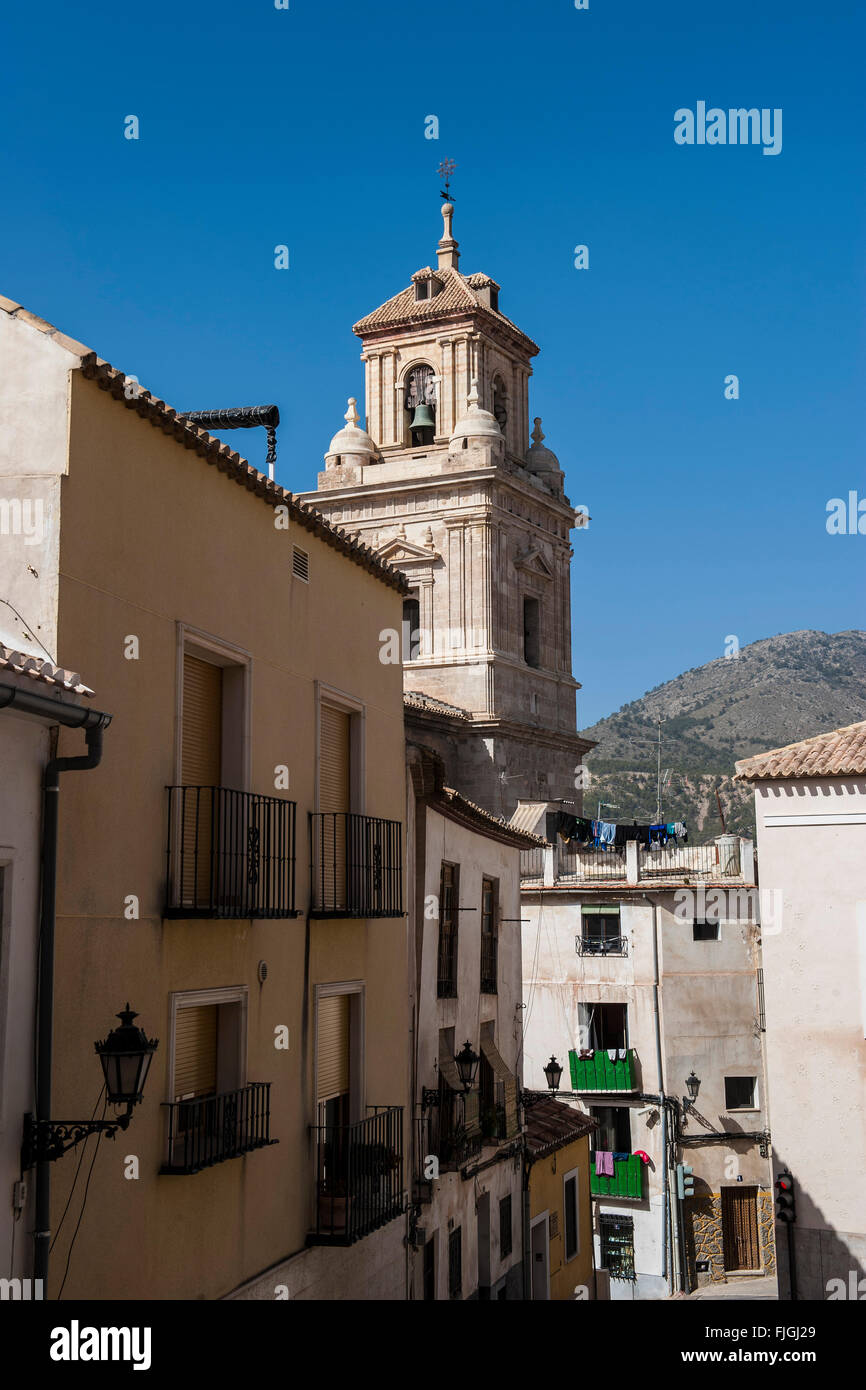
x=583 y=833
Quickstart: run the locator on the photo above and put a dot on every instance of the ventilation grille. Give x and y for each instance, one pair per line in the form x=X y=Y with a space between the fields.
x=301 y=564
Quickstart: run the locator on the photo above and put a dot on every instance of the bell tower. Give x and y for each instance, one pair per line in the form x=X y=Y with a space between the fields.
x=442 y=484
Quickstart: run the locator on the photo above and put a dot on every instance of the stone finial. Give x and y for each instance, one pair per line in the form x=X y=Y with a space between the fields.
x=351 y=416
x=448 y=249
x=428 y=537
x=537 y=433
x=472 y=398
x=401 y=531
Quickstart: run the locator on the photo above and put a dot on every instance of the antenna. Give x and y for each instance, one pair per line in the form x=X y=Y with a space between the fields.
x=446 y=171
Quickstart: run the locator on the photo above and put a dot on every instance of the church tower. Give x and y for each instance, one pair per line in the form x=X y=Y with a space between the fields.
x=442 y=483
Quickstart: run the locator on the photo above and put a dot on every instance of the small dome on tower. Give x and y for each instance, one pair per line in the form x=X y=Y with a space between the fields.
x=476 y=423
x=538 y=458
x=350 y=439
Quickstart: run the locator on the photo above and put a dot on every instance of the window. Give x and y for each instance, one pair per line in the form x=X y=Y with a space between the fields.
x=505 y=1229
x=531 y=632
x=706 y=931
x=446 y=987
x=571 y=1189
x=762 y=1015
x=617 y=1245
x=603 y=1026
x=489 y=937
x=301 y=564
x=740 y=1093
x=614 y=1128
x=455 y=1263
x=207 y=1063
x=500 y=399
x=601 y=933
x=422 y=289
x=430 y=1269
x=411 y=629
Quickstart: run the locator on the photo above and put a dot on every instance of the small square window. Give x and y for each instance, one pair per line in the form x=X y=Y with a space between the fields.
x=706 y=931
x=740 y=1093
x=301 y=564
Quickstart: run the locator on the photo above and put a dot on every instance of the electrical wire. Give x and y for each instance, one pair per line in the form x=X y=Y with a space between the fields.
x=83 y=1205
x=77 y=1171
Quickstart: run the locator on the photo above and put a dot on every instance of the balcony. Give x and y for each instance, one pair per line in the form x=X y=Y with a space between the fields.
x=627 y=1179
x=356 y=868
x=229 y=854
x=602 y=945
x=600 y=1073
x=729 y=859
x=359 y=1177
x=213 y=1129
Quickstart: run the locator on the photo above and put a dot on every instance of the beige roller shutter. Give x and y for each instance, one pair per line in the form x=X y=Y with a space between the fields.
x=332 y=1047
x=195 y=1051
x=334 y=760
x=201 y=739
x=202 y=723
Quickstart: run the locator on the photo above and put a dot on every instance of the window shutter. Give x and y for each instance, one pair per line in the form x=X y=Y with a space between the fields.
x=195 y=1051
x=332 y=1041
x=202 y=723
x=334 y=760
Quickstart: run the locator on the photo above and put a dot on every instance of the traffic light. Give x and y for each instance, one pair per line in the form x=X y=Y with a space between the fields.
x=786 y=1207
x=685 y=1181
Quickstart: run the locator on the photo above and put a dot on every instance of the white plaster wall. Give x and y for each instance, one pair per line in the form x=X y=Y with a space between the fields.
x=815 y=986
x=23 y=753
x=34 y=374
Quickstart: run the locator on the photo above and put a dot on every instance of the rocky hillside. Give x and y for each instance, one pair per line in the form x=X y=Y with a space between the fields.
x=774 y=692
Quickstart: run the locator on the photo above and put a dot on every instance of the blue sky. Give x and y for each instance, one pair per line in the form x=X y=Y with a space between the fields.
x=306 y=127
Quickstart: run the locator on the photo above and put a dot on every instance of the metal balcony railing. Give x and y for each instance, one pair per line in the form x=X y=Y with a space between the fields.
x=359 y=1177
x=590 y=864
x=229 y=854
x=532 y=863
x=212 y=1129
x=356 y=865
x=601 y=1072
x=602 y=945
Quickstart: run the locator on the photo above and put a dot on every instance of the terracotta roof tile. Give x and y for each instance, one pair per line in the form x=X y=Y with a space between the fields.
x=413 y=700
x=213 y=450
x=551 y=1124
x=452 y=800
x=458 y=295
x=39 y=669
x=840 y=753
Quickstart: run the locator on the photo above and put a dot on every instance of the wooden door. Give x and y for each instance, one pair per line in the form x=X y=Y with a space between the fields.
x=740 y=1228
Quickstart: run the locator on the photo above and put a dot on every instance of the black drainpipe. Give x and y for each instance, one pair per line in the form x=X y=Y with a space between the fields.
x=94 y=723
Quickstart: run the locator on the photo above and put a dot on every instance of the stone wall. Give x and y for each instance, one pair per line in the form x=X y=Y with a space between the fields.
x=704 y=1241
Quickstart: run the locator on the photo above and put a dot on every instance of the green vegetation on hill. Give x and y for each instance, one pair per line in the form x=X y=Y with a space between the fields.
x=775 y=691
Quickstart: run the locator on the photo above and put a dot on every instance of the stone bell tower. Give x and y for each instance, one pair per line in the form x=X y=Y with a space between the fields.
x=441 y=483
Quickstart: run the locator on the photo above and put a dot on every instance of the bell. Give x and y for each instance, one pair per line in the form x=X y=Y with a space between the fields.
x=422 y=418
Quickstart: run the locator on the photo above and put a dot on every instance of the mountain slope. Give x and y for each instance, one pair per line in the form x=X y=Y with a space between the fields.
x=773 y=692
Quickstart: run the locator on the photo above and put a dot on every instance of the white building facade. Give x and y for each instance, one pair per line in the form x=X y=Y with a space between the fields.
x=810 y=803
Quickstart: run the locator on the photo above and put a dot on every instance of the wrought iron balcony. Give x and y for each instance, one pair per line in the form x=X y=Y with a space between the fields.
x=229 y=854
x=212 y=1129
x=357 y=865
x=602 y=945
x=359 y=1177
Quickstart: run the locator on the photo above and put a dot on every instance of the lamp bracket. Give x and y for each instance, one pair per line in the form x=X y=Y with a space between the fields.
x=429 y=1097
x=47 y=1140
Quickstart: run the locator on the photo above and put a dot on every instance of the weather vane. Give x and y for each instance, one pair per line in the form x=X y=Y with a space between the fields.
x=445 y=171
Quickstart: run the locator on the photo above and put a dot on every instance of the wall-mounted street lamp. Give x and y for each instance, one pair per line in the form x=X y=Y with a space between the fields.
x=553 y=1073
x=125 y=1056
x=467 y=1065
x=693 y=1085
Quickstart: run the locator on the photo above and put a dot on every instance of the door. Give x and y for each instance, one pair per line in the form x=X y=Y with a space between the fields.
x=483 y=1214
x=540 y=1258
x=334 y=802
x=740 y=1228
x=201 y=770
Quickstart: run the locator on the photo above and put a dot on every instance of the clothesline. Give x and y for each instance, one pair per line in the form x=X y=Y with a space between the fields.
x=610 y=835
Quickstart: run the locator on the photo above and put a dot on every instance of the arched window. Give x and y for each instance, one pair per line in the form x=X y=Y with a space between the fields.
x=500 y=403
x=419 y=404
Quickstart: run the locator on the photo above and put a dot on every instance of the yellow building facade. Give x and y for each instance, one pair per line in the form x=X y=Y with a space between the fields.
x=234 y=867
x=558 y=1224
